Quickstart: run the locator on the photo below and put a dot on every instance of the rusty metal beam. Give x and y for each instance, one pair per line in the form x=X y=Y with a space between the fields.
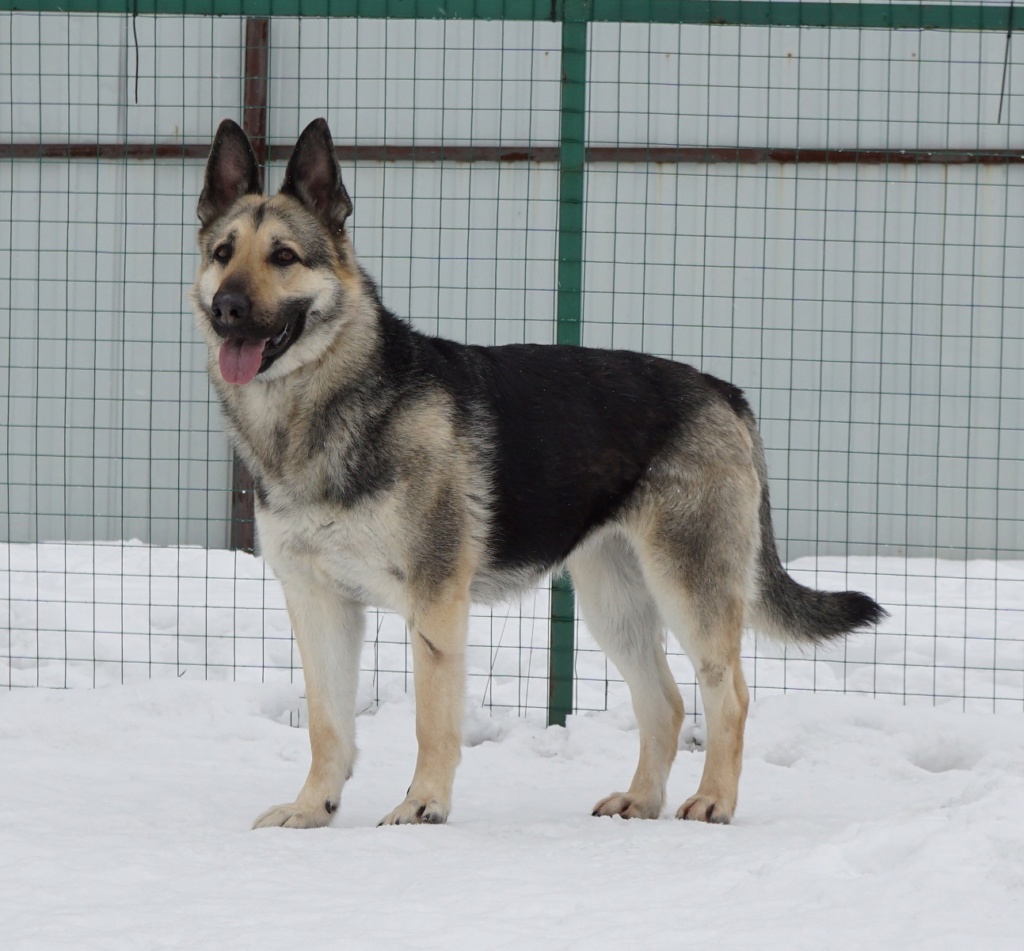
x=255 y=89
x=624 y=154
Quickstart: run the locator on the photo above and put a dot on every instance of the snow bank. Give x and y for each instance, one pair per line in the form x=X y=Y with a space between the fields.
x=98 y=614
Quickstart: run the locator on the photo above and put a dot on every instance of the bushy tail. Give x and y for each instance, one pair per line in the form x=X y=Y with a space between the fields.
x=789 y=611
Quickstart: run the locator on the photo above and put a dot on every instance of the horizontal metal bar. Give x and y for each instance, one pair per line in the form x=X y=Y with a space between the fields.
x=279 y=153
x=896 y=15
x=381 y=152
x=748 y=155
x=605 y=154
x=102 y=150
x=371 y=9
x=785 y=13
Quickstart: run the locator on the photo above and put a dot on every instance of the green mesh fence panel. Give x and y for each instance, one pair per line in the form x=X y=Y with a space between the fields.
x=820 y=202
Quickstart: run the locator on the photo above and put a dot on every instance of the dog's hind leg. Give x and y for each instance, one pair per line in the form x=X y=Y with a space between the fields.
x=437 y=631
x=623 y=618
x=713 y=646
x=698 y=569
x=329 y=631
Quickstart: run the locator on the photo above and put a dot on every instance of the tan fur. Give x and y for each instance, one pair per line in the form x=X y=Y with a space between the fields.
x=625 y=621
x=438 y=627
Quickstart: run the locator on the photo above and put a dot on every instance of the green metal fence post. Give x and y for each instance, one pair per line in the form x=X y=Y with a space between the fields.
x=572 y=151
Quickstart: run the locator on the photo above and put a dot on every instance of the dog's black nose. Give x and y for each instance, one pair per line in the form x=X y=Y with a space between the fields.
x=231 y=307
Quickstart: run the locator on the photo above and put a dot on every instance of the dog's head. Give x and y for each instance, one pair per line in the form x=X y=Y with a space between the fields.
x=274 y=271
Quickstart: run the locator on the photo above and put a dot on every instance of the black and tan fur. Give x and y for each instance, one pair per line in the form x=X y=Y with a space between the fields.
x=419 y=475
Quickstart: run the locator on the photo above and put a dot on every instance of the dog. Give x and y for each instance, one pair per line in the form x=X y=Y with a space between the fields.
x=418 y=475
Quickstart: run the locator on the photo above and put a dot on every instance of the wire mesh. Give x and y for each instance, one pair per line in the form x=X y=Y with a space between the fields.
x=828 y=217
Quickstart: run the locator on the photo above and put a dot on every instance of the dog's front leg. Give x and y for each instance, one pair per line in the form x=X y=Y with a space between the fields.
x=438 y=631
x=329 y=631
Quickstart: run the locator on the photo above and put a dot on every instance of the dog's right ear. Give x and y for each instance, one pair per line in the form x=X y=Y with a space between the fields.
x=231 y=172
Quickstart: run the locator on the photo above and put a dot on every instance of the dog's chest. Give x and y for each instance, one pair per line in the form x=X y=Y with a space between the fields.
x=356 y=553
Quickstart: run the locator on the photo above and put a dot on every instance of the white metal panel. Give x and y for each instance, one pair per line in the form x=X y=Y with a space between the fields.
x=89 y=78
x=872 y=315
x=459 y=82
x=813 y=88
x=106 y=415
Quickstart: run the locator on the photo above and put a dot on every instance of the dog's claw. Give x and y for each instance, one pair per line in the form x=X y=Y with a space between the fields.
x=416 y=812
x=290 y=815
x=627 y=806
x=706 y=809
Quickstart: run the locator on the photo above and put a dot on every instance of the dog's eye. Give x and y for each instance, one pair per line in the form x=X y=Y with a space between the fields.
x=223 y=253
x=284 y=256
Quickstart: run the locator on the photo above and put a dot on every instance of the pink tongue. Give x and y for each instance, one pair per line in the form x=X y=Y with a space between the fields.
x=240 y=359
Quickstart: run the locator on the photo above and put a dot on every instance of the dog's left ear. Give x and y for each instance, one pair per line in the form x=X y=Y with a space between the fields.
x=314 y=178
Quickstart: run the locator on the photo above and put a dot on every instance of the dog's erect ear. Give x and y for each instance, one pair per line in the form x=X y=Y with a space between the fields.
x=231 y=172
x=314 y=178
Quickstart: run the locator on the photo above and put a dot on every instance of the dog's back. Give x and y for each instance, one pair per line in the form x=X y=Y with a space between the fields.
x=574 y=432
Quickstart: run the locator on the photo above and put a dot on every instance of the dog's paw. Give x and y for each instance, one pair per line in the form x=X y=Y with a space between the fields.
x=415 y=811
x=629 y=807
x=707 y=809
x=291 y=815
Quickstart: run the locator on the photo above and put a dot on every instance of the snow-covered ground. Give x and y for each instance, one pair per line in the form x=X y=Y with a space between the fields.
x=124 y=810
x=124 y=815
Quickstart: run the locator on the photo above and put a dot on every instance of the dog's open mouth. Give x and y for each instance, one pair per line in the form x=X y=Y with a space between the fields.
x=242 y=358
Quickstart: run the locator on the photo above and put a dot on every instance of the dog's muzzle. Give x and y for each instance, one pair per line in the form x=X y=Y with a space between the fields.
x=247 y=349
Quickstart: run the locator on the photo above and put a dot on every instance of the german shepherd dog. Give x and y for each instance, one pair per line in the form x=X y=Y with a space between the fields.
x=419 y=475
